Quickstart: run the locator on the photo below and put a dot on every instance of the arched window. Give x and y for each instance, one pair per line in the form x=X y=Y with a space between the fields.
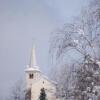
x=31 y=76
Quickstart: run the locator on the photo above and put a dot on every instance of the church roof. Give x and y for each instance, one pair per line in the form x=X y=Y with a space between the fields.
x=29 y=69
x=53 y=82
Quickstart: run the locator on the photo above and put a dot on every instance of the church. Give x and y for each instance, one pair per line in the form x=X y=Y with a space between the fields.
x=37 y=81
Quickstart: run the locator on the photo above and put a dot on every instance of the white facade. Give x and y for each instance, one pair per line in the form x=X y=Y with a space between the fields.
x=35 y=81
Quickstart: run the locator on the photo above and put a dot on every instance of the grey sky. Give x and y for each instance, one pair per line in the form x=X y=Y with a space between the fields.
x=20 y=22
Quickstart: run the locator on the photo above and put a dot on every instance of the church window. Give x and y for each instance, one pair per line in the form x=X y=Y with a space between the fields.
x=43 y=82
x=31 y=76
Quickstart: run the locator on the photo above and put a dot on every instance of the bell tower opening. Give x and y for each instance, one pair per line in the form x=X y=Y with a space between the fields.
x=31 y=76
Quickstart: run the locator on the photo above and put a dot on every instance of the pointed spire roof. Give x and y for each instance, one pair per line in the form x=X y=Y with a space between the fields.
x=33 y=58
x=32 y=65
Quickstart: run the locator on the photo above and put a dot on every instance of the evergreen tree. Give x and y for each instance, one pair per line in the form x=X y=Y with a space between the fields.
x=42 y=94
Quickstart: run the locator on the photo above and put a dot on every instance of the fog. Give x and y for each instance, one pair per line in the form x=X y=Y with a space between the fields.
x=21 y=23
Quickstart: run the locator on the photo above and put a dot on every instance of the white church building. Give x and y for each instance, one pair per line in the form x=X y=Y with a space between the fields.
x=36 y=80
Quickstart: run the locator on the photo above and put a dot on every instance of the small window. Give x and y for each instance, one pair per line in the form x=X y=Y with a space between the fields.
x=31 y=76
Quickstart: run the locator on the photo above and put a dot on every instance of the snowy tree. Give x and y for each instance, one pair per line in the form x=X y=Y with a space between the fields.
x=88 y=82
x=17 y=91
x=42 y=95
x=65 y=81
x=82 y=36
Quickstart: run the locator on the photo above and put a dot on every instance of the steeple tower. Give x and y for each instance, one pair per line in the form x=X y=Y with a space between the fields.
x=32 y=70
x=35 y=81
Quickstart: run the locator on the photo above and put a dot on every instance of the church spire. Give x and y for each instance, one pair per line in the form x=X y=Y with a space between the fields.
x=32 y=65
x=33 y=58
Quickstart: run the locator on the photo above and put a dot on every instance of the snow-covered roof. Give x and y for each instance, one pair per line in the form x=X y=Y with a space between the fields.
x=53 y=82
x=31 y=69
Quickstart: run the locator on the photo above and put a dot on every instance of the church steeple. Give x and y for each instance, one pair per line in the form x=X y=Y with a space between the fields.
x=33 y=65
x=33 y=58
x=32 y=71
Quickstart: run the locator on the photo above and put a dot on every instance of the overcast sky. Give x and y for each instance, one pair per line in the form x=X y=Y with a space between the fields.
x=21 y=21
